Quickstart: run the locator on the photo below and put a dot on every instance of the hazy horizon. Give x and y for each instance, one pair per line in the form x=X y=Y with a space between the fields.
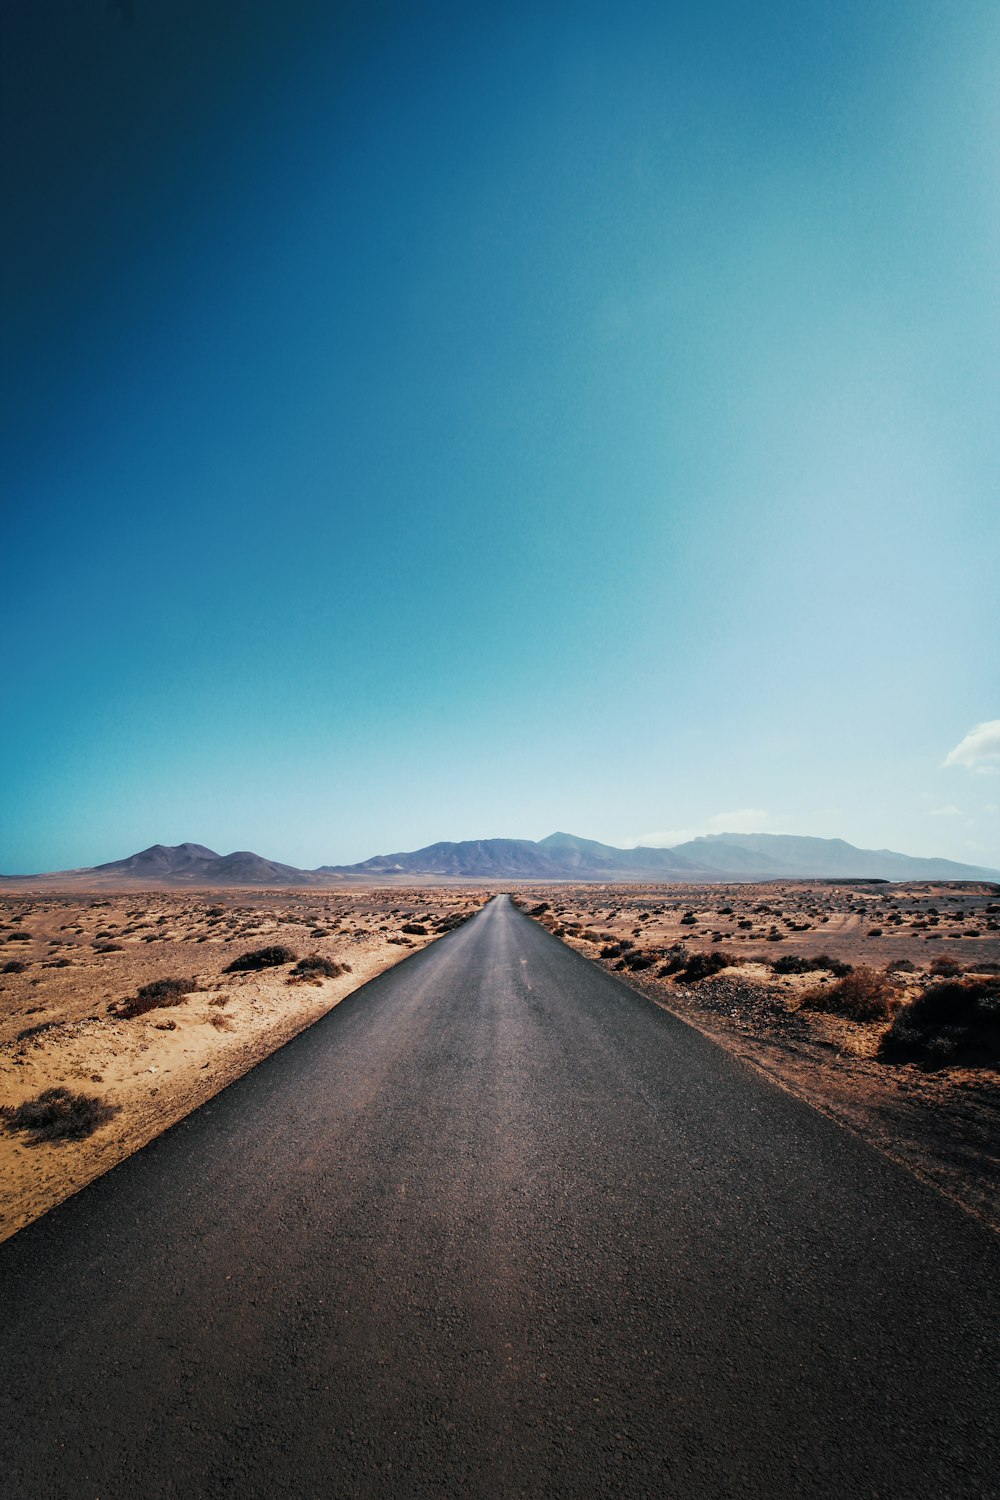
x=455 y=423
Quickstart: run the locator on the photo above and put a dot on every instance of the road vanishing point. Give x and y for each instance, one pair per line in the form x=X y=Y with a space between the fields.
x=499 y=1226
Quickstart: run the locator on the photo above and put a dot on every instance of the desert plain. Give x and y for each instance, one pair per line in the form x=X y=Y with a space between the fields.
x=135 y=1000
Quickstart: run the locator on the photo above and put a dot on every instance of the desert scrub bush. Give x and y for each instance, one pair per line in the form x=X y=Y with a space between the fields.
x=798 y=963
x=154 y=996
x=676 y=958
x=453 y=920
x=637 y=959
x=109 y=947
x=317 y=967
x=954 y=1022
x=261 y=958
x=947 y=966
x=414 y=929
x=14 y=966
x=58 y=1115
x=39 y=1029
x=703 y=965
x=863 y=995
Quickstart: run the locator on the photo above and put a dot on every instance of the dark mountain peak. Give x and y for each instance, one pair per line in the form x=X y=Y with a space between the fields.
x=163 y=859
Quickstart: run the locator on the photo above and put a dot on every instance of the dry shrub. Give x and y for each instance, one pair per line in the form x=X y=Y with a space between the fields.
x=800 y=963
x=33 y=1031
x=946 y=965
x=865 y=994
x=261 y=958
x=455 y=919
x=415 y=929
x=636 y=958
x=317 y=967
x=691 y=968
x=704 y=965
x=676 y=959
x=956 y=1022
x=58 y=1115
x=154 y=996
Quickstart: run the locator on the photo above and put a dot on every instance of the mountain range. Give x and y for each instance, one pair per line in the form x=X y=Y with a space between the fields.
x=561 y=856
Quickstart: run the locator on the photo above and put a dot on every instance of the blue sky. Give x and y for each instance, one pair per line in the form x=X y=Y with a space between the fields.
x=435 y=422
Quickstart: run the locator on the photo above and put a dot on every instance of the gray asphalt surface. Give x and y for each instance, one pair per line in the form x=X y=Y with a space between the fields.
x=498 y=1226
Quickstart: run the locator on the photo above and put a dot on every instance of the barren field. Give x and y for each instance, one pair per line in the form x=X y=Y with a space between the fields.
x=921 y=1084
x=73 y=1018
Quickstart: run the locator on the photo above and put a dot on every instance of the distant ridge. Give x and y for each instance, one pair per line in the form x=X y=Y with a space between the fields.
x=561 y=856
x=194 y=864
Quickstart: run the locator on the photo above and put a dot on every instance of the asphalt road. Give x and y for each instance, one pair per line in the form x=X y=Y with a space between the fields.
x=498 y=1226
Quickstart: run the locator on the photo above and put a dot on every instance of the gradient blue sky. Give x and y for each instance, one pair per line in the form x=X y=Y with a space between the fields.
x=425 y=422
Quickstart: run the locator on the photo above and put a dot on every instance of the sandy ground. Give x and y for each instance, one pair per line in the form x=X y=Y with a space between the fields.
x=65 y=961
x=944 y=1125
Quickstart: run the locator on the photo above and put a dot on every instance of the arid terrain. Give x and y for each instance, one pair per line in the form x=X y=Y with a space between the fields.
x=128 y=999
x=72 y=1017
x=930 y=1100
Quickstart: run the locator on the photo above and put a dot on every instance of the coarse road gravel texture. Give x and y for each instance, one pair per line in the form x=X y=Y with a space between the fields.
x=498 y=1226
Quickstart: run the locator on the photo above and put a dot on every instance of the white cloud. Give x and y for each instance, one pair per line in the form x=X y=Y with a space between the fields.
x=991 y=807
x=745 y=820
x=979 y=750
x=951 y=811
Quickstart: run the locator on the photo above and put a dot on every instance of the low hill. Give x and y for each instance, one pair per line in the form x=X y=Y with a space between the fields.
x=185 y=865
x=160 y=862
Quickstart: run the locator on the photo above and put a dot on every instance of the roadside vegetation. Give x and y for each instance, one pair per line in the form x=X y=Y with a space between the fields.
x=943 y=1013
x=58 y=1115
x=154 y=996
x=261 y=958
x=953 y=1023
